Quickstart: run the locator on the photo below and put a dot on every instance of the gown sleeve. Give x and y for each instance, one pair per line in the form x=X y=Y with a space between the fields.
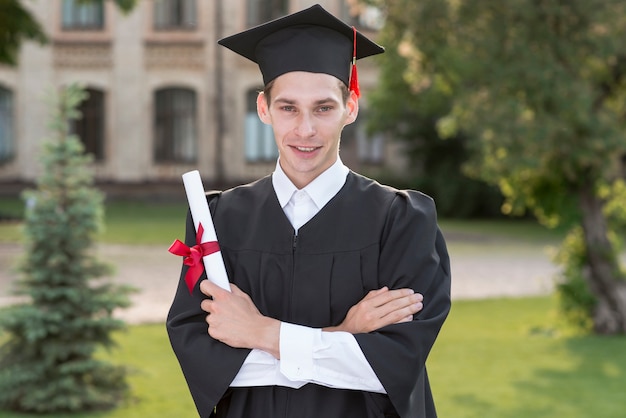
x=412 y=254
x=208 y=365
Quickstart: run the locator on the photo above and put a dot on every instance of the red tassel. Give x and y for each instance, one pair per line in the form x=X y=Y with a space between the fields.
x=354 y=78
x=354 y=81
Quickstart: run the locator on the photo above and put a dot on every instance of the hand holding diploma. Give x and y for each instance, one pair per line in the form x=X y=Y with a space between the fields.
x=206 y=251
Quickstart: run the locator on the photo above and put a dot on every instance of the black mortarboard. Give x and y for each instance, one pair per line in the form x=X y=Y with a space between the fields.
x=311 y=40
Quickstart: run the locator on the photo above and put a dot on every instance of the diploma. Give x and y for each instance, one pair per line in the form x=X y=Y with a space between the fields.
x=213 y=263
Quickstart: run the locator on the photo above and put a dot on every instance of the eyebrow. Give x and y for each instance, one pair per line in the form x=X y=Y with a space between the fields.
x=317 y=102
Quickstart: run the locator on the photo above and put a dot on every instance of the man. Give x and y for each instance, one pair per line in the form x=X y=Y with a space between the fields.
x=327 y=267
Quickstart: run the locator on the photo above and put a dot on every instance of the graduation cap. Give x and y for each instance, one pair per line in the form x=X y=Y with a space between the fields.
x=311 y=40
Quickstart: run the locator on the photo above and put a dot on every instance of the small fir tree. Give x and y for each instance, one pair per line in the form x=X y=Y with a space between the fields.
x=47 y=361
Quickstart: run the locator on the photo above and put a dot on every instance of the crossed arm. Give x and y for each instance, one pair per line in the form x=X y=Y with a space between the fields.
x=233 y=318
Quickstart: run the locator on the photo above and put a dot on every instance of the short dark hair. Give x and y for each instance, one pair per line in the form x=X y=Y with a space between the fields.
x=345 y=93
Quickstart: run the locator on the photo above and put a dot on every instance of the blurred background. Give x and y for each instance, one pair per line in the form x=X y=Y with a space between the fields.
x=511 y=115
x=163 y=98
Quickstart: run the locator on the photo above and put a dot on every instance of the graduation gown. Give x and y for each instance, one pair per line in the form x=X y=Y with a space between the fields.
x=366 y=237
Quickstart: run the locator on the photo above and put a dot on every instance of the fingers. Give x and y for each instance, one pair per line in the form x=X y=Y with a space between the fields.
x=211 y=289
x=208 y=287
x=396 y=298
x=385 y=296
x=405 y=319
x=396 y=306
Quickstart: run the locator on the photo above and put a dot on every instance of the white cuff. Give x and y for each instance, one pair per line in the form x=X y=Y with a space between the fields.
x=296 y=350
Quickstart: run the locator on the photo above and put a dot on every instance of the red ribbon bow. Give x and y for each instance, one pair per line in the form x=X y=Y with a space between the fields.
x=193 y=256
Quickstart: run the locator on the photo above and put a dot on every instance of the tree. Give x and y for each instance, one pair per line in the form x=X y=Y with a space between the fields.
x=436 y=163
x=19 y=25
x=540 y=88
x=47 y=363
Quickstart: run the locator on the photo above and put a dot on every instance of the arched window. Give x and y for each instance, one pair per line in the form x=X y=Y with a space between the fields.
x=175 y=125
x=6 y=125
x=260 y=144
x=90 y=127
x=77 y=14
x=175 y=14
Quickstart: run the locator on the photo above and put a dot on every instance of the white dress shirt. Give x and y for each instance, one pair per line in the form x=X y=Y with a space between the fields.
x=309 y=355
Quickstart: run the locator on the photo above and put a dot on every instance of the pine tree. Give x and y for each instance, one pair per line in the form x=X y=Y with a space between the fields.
x=48 y=362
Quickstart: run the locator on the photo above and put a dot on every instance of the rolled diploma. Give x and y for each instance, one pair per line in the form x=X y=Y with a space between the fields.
x=213 y=263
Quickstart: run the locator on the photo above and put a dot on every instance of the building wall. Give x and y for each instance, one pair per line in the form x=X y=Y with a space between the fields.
x=128 y=60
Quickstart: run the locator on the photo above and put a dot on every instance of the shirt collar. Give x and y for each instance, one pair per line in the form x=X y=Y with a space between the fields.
x=323 y=188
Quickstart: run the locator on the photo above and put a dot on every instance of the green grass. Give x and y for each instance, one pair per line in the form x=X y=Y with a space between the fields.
x=11 y=210
x=507 y=358
x=501 y=230
x=158 y=388
x=126 y=222
x=503 y=358
x=141 y=222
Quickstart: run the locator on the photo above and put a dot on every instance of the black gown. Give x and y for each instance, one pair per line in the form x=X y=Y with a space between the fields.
x=366 y=237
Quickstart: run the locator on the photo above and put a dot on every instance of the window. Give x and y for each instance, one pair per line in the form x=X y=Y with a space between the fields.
x=368 y=149
x=90 y=127
x=175 y=125
x=260 y=144
x=261 y=11
x=6 y=125
x=175 y=14
x=82 y=15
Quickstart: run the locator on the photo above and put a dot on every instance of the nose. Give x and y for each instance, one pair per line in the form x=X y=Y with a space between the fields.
x=305 y=126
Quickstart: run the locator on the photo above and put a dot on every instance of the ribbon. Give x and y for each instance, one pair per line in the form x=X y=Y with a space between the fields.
x=193 y=256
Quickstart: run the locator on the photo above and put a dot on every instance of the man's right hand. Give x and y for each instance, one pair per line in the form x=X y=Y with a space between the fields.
x=380 y=308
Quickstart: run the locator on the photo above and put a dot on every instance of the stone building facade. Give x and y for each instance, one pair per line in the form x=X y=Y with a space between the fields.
x=164 y=98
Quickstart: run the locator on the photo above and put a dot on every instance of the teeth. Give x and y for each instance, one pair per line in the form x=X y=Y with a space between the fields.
x=305 y=149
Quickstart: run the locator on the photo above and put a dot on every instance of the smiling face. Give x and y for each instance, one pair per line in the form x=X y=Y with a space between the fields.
x=307 y=113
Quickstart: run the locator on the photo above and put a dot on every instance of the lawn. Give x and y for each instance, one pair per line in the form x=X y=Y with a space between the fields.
x=142 y=222
x=509 y=358
x=126 y=222
x=157 y=385
x=501 y=358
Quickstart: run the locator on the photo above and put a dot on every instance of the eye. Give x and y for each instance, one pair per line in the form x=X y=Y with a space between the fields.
x=325 y=108
x=288 y=108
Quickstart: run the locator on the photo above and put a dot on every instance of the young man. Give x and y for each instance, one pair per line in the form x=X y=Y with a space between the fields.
x=327 y=267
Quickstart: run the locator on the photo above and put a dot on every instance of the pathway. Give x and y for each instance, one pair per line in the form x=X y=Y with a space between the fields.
x=478 y=271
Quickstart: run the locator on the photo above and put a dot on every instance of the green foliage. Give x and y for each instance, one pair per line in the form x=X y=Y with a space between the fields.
x=47 y=363
x=539 y=88
x=575 y=299
x=437 y=161
x=577 y=302
x=614 y=195
x=17 y=25
x=158 y=386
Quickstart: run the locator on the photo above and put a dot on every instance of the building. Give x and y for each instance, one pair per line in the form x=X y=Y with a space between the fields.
x=164 y=98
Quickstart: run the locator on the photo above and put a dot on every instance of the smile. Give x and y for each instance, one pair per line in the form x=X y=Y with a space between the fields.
x=306 y=149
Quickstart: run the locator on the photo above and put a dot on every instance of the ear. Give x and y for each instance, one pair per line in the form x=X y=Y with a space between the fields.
x=262 y=109
x=352 y=108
